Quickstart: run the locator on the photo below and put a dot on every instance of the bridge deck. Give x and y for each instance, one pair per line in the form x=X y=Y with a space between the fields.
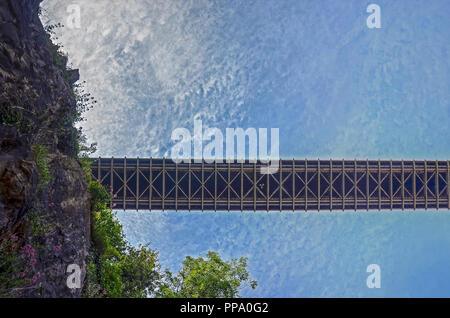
x=299 y=185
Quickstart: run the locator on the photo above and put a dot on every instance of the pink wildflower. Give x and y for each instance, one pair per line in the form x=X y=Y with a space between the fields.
x=14 y=237
x=52 y=204
x=114 y=205
x=115 y=196
x=35 y=278
x=57 y=247
x=33 y=261
x=104 y=292
x=22 y=274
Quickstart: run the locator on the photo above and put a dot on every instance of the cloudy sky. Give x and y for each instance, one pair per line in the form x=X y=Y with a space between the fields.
x=334 y=87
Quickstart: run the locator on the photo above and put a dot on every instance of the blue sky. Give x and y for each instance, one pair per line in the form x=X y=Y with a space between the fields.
x=335 y=88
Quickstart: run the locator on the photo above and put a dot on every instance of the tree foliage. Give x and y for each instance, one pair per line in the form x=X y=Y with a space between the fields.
x=207 y=278
x=117 y=269
x=140 y=271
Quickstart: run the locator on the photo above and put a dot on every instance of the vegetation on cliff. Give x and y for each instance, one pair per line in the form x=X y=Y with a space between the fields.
x=44 y=198
x=117 y=269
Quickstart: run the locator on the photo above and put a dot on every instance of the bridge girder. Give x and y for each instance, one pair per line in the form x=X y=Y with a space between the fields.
x=299 y=185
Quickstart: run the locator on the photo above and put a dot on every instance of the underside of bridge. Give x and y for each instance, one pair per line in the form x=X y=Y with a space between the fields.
x=298 y=185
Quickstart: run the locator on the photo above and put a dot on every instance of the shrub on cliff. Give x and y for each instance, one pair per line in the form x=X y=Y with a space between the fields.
x=40 y=156
x=115 y=268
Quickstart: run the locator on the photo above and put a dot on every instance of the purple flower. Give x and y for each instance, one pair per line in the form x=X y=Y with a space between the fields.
x=14 y=237
x=35 y=278
x=33 y=261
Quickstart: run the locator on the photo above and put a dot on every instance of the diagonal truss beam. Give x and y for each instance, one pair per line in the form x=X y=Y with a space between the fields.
x=299 y=185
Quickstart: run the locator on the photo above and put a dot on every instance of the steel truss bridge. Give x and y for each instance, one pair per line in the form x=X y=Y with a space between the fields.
x=299 y=185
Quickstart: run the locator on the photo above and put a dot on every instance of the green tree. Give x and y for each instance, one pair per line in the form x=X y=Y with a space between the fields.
x=140 y=271
x=207 y=278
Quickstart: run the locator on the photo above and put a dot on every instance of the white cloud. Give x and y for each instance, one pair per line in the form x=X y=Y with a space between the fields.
x=148 y=65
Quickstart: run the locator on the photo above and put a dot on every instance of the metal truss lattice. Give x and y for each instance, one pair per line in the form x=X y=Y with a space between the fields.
x=299 y=185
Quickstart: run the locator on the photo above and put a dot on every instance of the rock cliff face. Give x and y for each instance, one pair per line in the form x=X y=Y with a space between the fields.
x=50 y=213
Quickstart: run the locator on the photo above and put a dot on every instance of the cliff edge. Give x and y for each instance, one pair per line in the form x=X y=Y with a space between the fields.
x=44 y=199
